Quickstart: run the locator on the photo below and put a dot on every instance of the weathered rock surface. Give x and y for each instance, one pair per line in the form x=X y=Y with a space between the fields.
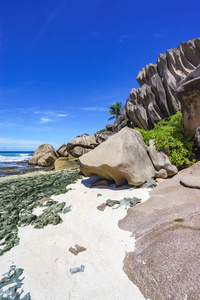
x=45 y=155
x=160 y=160
x=63 y=163
x=197 y=137
x=188 y=93
x=156 y=98
x=166 y=256
x=102 y=136
x=62 y=151
x=162 y=173
x=123 y=158
x=81 y=145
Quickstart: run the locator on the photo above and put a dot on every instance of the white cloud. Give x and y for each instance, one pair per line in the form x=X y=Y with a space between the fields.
x=95 y=108
x=19 y=144
x=50 y=18
x=51 y=113
x=62 y=115
x=45 y=120
x=7 y=124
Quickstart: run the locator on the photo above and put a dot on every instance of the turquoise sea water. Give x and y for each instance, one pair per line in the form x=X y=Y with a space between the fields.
x=15 y=162
x=12 y=157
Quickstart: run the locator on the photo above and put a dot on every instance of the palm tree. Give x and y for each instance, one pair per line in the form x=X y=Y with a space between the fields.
x=114 y=110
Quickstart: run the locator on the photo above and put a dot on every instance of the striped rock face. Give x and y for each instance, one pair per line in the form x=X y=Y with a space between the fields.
x=156 y=98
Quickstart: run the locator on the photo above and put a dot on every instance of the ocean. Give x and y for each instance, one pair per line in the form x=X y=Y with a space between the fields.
x=14 y=162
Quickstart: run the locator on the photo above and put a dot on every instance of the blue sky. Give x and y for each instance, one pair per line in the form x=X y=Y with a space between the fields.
x=63 y=62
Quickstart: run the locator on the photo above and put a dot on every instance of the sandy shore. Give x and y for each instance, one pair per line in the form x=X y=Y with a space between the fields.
x=45 y=257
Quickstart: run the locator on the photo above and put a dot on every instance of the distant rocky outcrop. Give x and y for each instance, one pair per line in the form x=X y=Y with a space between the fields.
x=62 y=151
x=81 y=145
x=123 y=158
x=156 y=98
x=45 y=156
x=188 y=93
x=102 y=136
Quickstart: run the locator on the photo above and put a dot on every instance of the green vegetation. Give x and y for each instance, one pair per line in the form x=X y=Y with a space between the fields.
x=102 y=130
x=11 y=285
x=172 y=138
x=114 y=110
x=20 y=196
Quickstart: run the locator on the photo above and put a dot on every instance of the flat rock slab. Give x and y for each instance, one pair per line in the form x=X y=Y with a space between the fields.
x=166 y=260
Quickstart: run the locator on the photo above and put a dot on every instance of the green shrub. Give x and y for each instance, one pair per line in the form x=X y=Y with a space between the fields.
x=104 y=129
x=172 y=138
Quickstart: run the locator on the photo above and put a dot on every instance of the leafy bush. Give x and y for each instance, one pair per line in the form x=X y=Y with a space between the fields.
x=102 y=130
x=172 y=138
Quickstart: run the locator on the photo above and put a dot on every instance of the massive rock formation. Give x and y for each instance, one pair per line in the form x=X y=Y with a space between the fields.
x=188 y=93
x=45 y=156
x=156 y=98
x=123 y=158
x=165 y=262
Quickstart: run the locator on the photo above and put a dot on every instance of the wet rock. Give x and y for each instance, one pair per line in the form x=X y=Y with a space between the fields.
x=77 y=270
x=112 y=202
x=130 y=201
x=11 y=285
x=77 y=249
x=63 y=163
x=101 y=207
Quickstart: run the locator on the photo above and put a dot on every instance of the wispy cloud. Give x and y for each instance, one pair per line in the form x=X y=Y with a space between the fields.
x=17 y=143
x=49 y=20
x=45 y=120
x=123 y=37
x=62 y=115
x=158 y=35
x=51 y=113
x=32 y=82
x=95 y=108
x=2 y=111
x=5 y=124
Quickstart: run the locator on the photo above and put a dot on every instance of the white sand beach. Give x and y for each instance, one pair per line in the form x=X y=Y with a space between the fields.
x=45 y=257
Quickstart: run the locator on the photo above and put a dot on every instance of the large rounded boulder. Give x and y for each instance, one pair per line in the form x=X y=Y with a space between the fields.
x=44 y=156
x=123 y=158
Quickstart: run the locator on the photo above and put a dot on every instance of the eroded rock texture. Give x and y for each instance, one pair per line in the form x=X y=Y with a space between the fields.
x=45 y=155
x=81 y=145
x=188 y=93
x=165 y=263
x=156 y=98
x=122 y=158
